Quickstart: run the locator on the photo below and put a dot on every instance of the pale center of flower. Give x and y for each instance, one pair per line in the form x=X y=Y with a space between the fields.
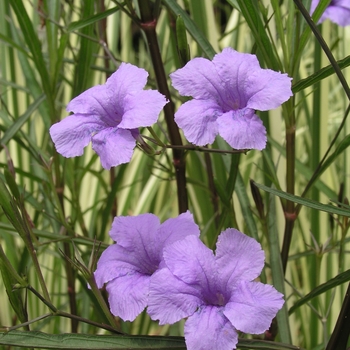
x=220 y=299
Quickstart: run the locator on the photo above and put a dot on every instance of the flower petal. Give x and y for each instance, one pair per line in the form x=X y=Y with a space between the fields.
x=197 y=119
x=170 y=299
x=242 y=129
x=114 y=146
x=234 y=69
x=138 y=234
x=267 y=89
x=142 y=109
x=128 y=295
x=209 y=329
x=239 y=257
x=175 y=229
x=199 y=79
x=128 y=231
x=98 y=102
x=73 y=133
x=117 y=261
x=194 y=263
x=128 y=79
x=252 y=307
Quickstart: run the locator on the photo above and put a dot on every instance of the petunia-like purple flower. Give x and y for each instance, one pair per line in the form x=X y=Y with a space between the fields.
x=109 y=116
x=216 y=292
x=338 y=11
x=128 y=266
x=226 y=92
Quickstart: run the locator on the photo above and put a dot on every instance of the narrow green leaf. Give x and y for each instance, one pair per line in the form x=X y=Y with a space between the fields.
x=192 y=28
x=13 y=129
x=306 y=202
x=41 y=340
x=332 y=283
x=251 y=14
x=319 y=75
x=91 y=20
x=32 y=40
x=277 y=271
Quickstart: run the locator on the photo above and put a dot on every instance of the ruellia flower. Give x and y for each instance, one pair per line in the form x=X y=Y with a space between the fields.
x=226 y=92
x=217 y=292
x=109 y=116
x=128 y=266
x=338 y=11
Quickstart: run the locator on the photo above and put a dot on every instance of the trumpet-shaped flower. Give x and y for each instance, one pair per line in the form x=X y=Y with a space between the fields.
x=109 y=116
x=338 y=11
x=226 y=92
x=127 y=267
x=216 y=292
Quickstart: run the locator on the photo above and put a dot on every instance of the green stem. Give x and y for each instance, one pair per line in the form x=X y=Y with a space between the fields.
x=148 y=24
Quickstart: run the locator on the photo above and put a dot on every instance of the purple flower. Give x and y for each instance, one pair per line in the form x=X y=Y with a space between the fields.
x=109 y=116
x=216 y=292
x=128 y=266
x=226 y=92
x=338 y=11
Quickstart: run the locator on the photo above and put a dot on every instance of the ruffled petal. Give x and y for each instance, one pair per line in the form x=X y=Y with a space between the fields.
x=117 y=261
x=138 y=234
x=128 y=295
x=252 y=307
x=194 y=263
x=209 y=329
x=197 y=119
x=128 y=79
x=239 y=257
x=73 y=133
x=242 y=129
x=234 y=69
x=170 y=299
x=142 y=109
x=114 y=146
x=173 y=230
x=267 y=89
x=199 y=79
x=100 y=103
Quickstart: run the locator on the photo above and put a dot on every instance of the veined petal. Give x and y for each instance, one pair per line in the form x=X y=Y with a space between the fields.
x=252 y=307
x=126 y=80
x=139 y=235
x=114 y=146
x=198 y=120
x=128 y=295
x=242 y=129
x=142 y=109
x=170 y=299
x=73 y=133
x=175 y=229
x=209 y=329
x=239 y=257
x=234 y=69
x=117 y=261
x=194 y=263
x=199 y=79
x=98 y=102
x=267 y=89
x=130 y=231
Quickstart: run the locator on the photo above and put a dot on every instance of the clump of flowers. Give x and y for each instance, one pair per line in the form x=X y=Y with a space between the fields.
x=338 y=11
x=226 y=92
x=109 y=116
x=168 y=268
x=128 y=266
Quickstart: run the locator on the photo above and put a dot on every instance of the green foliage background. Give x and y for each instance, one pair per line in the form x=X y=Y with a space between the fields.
x=52 y=50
